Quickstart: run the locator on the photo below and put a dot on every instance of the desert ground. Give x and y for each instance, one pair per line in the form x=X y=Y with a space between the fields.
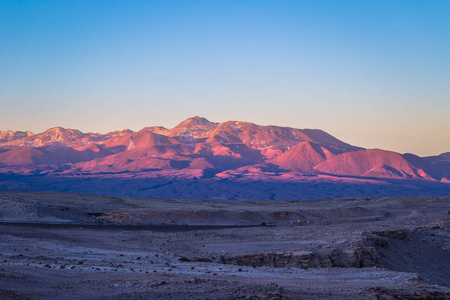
x=80 y=246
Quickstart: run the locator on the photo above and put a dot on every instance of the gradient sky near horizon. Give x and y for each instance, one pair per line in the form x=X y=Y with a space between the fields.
x=371 y=73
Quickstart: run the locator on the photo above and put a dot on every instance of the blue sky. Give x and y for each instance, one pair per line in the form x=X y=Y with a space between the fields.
x=372 y=73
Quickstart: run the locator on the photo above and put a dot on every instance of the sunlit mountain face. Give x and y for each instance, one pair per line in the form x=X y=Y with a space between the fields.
x=198 y=150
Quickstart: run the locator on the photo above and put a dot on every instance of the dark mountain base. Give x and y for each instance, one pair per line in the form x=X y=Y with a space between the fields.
x=173 y=186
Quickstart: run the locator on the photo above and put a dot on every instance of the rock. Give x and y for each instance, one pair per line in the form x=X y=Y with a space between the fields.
x=350 y=258
x=398 y=234
x=413 y=293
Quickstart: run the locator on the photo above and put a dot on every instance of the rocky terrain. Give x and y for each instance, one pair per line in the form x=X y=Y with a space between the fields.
x=72 y=246
x=200 y=159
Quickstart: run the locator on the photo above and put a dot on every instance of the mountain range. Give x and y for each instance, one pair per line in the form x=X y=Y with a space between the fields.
x=198 y=148
x=197 y=143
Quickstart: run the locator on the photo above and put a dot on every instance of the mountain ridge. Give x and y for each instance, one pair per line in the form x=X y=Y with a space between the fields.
x=199 y=144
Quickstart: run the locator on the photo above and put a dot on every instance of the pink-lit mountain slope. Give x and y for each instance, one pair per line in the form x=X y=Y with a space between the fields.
x=195 y=127
x=305 y=156
x=8 y=136
x=51 y=155
x=372 y=163
x=197 y=144
x=56 y=135
x=439 y=165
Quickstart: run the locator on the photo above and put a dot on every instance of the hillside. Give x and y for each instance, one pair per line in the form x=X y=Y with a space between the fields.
x=221 y=152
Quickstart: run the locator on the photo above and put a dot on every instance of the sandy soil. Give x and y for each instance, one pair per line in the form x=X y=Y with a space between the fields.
x=75 y=246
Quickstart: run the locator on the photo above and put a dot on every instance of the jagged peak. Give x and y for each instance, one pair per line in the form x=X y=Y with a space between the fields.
x=29 y=133
x=240 y=124
x=153 y=128
x=62 y=130
x=58 y=128
x=195 y=121
x=123 y=131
